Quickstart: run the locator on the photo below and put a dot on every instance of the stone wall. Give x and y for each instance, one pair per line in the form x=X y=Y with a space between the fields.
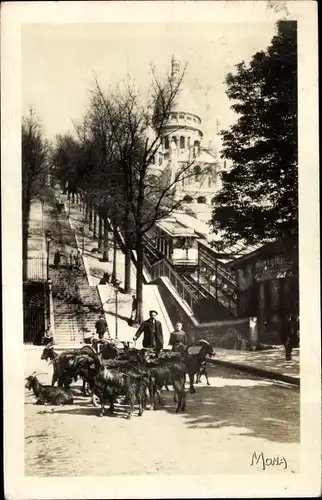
x=231 y=333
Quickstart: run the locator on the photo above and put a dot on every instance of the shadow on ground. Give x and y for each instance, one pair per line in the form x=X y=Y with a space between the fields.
x=258 y=407
x=247 y=406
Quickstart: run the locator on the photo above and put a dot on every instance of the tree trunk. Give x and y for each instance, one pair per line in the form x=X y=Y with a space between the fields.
x=106 y=257
x=94 y=223
x=73 y=197
x=139 y=278
x=90 y=217
x=100 y=233
x=127 y=255
x=113 y=279
x=86 y=211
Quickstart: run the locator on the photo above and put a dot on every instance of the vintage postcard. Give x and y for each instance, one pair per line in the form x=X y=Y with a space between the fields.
x=160 y=200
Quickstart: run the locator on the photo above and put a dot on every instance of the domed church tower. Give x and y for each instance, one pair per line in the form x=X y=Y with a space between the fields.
x=181 y=139
x=184 y=124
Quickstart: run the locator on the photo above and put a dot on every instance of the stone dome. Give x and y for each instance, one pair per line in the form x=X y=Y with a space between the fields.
x=184 y=102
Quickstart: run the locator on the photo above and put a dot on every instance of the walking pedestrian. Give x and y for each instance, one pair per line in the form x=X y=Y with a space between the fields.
x=101 y=327
x=57 y=258
x=134 y=307
x=71 y=259
x=105 y=280
x=78 y=260
x=152 y=333
x=178 y=338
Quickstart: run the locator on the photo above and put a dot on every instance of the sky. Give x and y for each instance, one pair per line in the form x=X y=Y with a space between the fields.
x=60 y=61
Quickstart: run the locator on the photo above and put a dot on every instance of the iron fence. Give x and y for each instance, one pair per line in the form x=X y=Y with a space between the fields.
x=37 y=268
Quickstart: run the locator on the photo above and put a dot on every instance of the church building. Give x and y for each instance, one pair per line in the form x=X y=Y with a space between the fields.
x=182 y=149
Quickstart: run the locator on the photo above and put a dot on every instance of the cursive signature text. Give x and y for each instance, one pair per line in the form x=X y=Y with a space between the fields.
x=266 y=462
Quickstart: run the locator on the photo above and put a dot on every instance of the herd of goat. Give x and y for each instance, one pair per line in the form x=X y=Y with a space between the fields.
x=137 y=375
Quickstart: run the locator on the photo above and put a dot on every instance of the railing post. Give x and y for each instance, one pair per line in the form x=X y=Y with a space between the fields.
x=51 y=306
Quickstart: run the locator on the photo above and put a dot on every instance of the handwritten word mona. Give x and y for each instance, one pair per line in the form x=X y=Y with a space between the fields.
x=265 y=462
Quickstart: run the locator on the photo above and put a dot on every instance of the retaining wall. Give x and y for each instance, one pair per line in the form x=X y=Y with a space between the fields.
x=216 y=332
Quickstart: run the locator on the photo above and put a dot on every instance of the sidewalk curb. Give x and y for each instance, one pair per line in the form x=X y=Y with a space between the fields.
x=256 y=371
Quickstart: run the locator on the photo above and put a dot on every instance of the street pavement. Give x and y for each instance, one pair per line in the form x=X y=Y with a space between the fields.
x=223 y=425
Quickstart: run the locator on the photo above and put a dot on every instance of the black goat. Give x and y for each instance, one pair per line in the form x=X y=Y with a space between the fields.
x=63 y=364
x=47 y=394
x=135 y=388
x=202 y=371
x=110 y=382
x=165 y=372
x=194 y=358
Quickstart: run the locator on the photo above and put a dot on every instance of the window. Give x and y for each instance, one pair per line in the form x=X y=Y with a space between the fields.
x=166 y=142
x=160 y=159
x=153 y=160
x=201 y=199
x=181 y=117
x=188 y=117
x=209 y=181
x=182 y=142
x=174 y=139
x=188 y=199
x=188 y=142
x=174 y=116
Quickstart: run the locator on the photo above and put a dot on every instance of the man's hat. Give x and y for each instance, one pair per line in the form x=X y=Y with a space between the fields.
x=153 y=311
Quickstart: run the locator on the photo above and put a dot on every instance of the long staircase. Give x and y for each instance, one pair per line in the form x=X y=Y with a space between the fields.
x=76 y=304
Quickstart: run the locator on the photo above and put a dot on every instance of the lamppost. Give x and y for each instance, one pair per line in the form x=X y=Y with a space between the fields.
x=50 y=305
x=42 y=213
x=116 y=288
x=48 y=240
x=83 y=241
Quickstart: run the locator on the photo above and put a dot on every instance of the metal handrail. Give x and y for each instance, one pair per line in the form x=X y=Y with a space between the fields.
x=163 y=268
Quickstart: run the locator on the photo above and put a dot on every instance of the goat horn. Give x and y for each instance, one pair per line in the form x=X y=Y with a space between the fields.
x=40 y=373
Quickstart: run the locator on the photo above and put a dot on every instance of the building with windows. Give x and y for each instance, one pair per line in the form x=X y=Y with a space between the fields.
x=182 y=151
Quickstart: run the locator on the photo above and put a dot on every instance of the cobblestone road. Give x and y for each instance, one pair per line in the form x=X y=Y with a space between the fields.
x=221 y=428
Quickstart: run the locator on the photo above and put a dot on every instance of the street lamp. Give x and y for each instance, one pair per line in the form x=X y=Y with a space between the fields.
x=116 y=288
x=42 y=213
x=83 y=241
x=48 y=240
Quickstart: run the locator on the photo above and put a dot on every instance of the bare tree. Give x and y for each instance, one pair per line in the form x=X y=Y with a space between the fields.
x=138 y=132
x=35 y=170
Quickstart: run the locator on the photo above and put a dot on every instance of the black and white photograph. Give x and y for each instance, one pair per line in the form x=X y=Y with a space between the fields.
x=161 y=247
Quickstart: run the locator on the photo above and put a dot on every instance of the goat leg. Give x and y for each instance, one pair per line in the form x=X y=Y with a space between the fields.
x=192 y=389
x=159 y=397
x=54 y=379
x=206 y=375
x=183 y=401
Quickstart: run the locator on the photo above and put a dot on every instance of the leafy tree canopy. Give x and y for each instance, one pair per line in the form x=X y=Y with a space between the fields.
x=258 y=201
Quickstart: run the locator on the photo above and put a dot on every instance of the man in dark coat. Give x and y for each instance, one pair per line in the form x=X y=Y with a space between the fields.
x=101 y=327
x=152 y=333
x=57 y=258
